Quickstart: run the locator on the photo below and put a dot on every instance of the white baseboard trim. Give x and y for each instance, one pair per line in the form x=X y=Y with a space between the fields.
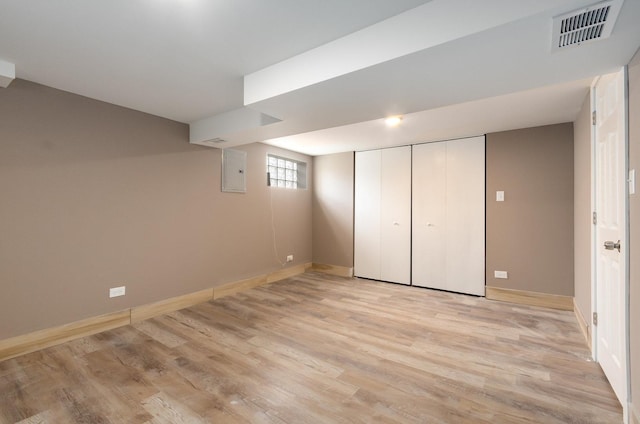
x=583 y=323
x=635 y=415
x=523 y=297
x=42 y=339
x=340 y=271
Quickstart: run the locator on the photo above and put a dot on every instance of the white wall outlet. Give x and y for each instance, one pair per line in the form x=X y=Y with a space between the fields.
x=500 y=274
x=500 y=196
x=289 y=258
x=117 y=291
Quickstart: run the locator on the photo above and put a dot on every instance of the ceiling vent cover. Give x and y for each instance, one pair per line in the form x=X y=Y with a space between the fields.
x=584 y=25
x=217 y=140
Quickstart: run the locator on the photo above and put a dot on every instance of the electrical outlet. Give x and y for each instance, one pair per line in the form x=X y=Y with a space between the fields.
x=117 y=291
x=500 y=274
x=289 y=258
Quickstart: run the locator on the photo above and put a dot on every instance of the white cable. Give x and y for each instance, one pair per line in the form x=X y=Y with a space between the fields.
x=273 y=227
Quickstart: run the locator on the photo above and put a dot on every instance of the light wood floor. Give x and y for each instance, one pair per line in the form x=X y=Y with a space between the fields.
x=320 y=349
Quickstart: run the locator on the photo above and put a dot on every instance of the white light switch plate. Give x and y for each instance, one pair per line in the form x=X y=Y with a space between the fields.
x=499 y=196
x=117 y=291
x=500 y=274
x=632 y=181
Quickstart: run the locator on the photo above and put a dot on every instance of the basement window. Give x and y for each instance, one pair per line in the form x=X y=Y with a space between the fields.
x=286 y=173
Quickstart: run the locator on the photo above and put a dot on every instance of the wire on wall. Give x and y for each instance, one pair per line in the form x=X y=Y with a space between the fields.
x=273 y=229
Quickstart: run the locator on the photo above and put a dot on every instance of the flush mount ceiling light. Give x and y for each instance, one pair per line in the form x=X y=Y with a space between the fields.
x=393 y=121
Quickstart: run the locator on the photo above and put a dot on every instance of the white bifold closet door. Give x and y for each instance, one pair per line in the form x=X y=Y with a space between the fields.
x=448 y=214
x=382 y=225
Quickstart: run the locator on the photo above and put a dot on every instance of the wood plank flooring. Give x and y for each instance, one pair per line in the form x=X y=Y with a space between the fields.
x=320 y=349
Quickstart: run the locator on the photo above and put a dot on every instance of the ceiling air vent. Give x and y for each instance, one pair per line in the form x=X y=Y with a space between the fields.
x=584 y=25
x=217 y=140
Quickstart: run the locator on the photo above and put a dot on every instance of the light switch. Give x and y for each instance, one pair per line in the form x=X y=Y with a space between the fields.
x=499 y=196
x=632 y=181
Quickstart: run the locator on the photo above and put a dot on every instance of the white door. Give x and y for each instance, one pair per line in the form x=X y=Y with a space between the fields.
x=395 y=215
x=429 y=264
x=449 y=215
x=382 y=217
x=610 y=202
x=366 y=260
x=466 y=215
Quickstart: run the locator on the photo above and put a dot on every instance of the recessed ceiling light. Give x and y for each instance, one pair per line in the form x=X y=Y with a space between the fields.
x=393 y=121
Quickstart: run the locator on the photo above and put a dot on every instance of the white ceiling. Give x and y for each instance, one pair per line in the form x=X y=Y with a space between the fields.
x=317 y=76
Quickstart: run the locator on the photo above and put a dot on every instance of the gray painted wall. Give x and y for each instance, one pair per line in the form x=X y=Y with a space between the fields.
x=530 y=234
x=97 y=196
x=333 y=209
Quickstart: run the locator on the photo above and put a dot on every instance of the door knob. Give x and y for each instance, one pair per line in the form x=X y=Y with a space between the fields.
x=609 y=245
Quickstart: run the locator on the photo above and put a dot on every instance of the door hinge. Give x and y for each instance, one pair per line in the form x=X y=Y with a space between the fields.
x=595 y=318
x=593 y=117
x=595 y=218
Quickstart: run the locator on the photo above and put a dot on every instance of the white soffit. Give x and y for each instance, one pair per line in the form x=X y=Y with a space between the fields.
x=543 y=106
x=7 y=73
x=417 y=29
x=211 y=131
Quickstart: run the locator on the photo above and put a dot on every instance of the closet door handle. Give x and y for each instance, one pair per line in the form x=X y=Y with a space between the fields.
x=609 y=245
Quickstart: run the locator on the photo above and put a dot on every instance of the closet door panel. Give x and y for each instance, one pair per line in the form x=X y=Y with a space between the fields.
x=465 y=247
x=367 y=214
x=429 y=215
x=395 y=215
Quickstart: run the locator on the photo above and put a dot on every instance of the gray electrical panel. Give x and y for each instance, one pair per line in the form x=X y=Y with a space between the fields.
x=234 y=165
